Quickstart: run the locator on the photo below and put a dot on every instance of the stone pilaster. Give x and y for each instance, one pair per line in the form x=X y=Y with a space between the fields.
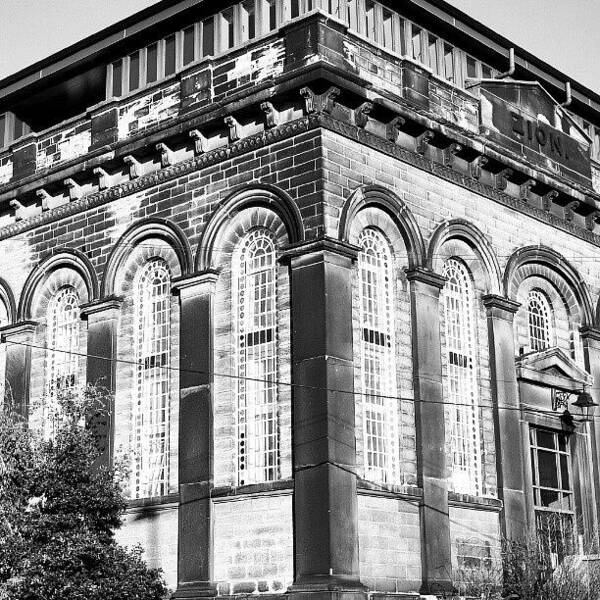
x=591 y=352
x=425 y=289
x=510 y=454
x=324 y=447
x=196 y=350
x=18 y=339
x=102 y=331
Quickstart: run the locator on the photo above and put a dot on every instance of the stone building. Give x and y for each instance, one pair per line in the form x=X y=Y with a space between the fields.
x=338 y=264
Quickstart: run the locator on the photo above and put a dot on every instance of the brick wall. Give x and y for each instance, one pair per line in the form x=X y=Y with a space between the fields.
x=155 y=529
x=389 y=543
x=63 y=144
x=6 y=168
x=253 y=544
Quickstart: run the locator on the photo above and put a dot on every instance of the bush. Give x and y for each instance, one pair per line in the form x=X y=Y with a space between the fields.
x=59 y=511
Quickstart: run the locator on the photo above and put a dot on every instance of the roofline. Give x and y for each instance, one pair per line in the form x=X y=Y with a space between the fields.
x=166 y=9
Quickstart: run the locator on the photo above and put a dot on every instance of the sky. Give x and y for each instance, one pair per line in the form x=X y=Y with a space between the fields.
x=561 y=32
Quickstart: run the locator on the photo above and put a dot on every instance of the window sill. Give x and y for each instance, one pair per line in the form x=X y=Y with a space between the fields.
x=476 y=502
x=370 y=488
x=153 y=503
x=226 y=491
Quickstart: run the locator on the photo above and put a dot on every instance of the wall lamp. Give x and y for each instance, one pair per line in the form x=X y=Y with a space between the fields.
x=584 y=404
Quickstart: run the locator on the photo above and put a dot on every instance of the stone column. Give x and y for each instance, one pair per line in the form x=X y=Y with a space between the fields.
x=510 y=454
x=196 y=349
x=436 y=561
x=18 y=339
x=591 y=353
x=102 y=331
x=324 y=447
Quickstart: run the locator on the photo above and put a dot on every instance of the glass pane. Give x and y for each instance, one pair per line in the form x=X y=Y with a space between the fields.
x=564 y=470
x=170 y=64
x=228 y=29
x=18 y=128
x=248 y=19
x=562 y=442
x=3 y=136
x=432 y=41
x=471 y=67
x=448 y=63
x=388 y=29
x=134 y=71
x=545 y=439
x=295 y=9
x=208 y=36
x=272 y=8
x=370 y=19
x=533 y=468
x=117 y=78
x=547 y=469
x=152 y=63
x=188 y=45
x=486 y=72
x=550 y=499
x=416 y=44
x=403 y=48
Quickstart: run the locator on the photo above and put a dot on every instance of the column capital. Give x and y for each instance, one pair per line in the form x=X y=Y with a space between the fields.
x=501 y=303
x=192 y=285
x=590 y=333
x=426 y=276
x=101 y=305
x=17 y=329
x=321 y=245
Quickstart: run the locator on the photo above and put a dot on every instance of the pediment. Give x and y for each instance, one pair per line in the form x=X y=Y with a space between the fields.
x=526 y=119
x=552 y=368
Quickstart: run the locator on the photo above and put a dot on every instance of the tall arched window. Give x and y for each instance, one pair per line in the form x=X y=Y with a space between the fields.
x=462 y=392
x=63 y=341
x=255 y=294
x=378 y=365
x=539 y=319
x=153 y=397
x=62 y=357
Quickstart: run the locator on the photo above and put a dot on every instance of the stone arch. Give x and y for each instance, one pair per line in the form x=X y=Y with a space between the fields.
x=268 y=196
x=134 y=236
x=8 y=299
x=460 y=229
x=389 y=202
x=60 y=258
x=545 y=262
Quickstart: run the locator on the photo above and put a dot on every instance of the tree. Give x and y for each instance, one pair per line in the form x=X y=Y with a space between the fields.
x=59 y=511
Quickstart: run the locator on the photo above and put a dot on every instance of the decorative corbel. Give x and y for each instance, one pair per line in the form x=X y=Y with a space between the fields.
x=103 y=178
x=393 y=129
x=502 y=178
x=450 y=153
x=75 y=191
x=592 y=219
x=234 y=129
x=477 y=165
x=271 y=115
x=135 y=168
x=328 y=99
x=308 y=97
x=361 y=114
x=200 y=142
x=45 y=198
x=548 y=199
x=422 y=141
x=166 y=155
x=570 y=210
x=525 y=189
x=18 y=208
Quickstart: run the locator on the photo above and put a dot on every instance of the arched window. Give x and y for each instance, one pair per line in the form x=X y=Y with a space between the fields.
x=539 y=319
x=462 y=392
x=255 y=292
x=153 y=397
x=62 y=356
x=4 y=320
x=378 y=365
x=62 y=341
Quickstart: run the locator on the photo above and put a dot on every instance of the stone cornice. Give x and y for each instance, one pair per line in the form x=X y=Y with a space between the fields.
x=427 y=277
x=101 y=305
x=324 y=244
x=500 y=302
x=188 y=284
x=590 y=333
x=17 y=329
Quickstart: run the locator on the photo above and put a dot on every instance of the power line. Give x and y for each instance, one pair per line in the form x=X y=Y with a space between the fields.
x=289 y=384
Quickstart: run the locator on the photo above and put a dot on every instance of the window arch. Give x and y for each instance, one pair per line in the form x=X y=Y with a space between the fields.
x=463 y=428
x=62 y=355
x=539 y=320
x=257 y=362
x=378 y=364
x=153 y=395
